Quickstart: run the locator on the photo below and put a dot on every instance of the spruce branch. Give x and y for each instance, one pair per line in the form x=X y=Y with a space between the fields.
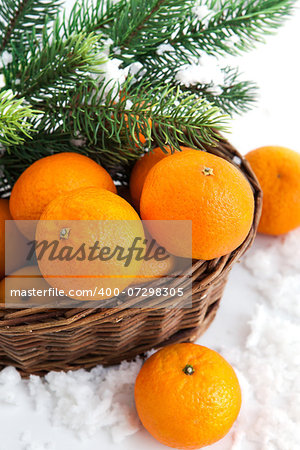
x=146 y=16
x=92 y=16
x=55 y=65
x=18 y=19
x=161 y=111
x=56 y=68
x=142 y=26
x=233 y=96
x=237 y=95
x=233 y=27
x=15 y=117
x=108 y=126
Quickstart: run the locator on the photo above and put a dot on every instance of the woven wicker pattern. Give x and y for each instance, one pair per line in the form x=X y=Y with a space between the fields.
x=38 y=340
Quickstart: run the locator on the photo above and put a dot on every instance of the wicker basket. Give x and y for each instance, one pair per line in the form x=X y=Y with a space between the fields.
x=38 y=340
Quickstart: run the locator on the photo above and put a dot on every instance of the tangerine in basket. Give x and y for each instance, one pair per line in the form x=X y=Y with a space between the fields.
x=278 y=172
x=4 y=215
x=78 y=222
x=187 y=396
x=203 y=188
x=140 y=171
x=153 y=268
x=16 y=245
x=51 y=176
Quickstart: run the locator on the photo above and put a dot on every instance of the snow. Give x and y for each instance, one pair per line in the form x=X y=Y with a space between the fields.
x=135 y=68
x=109 y=70
x=10 y=384
x=85 y=402
x=203 y=13
x=27 y=443
x=276 y=268
x=206 y=71
x=164 y=48
x=6 y=58
x=2 y=81
x=267 y=362
x=112 y=74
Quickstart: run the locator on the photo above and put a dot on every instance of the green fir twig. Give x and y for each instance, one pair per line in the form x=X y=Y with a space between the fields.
x=15 y=115
x=233 y=27
x=20 y=18
x=55 y=66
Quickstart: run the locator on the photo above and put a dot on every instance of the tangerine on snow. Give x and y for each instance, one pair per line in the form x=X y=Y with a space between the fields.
x=278 y=172
x=205 y=189
x=187 y=396
x=77 y=220
x=51 y=176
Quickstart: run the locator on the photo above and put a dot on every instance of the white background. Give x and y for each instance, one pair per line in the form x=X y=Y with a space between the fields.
x=276 y=69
